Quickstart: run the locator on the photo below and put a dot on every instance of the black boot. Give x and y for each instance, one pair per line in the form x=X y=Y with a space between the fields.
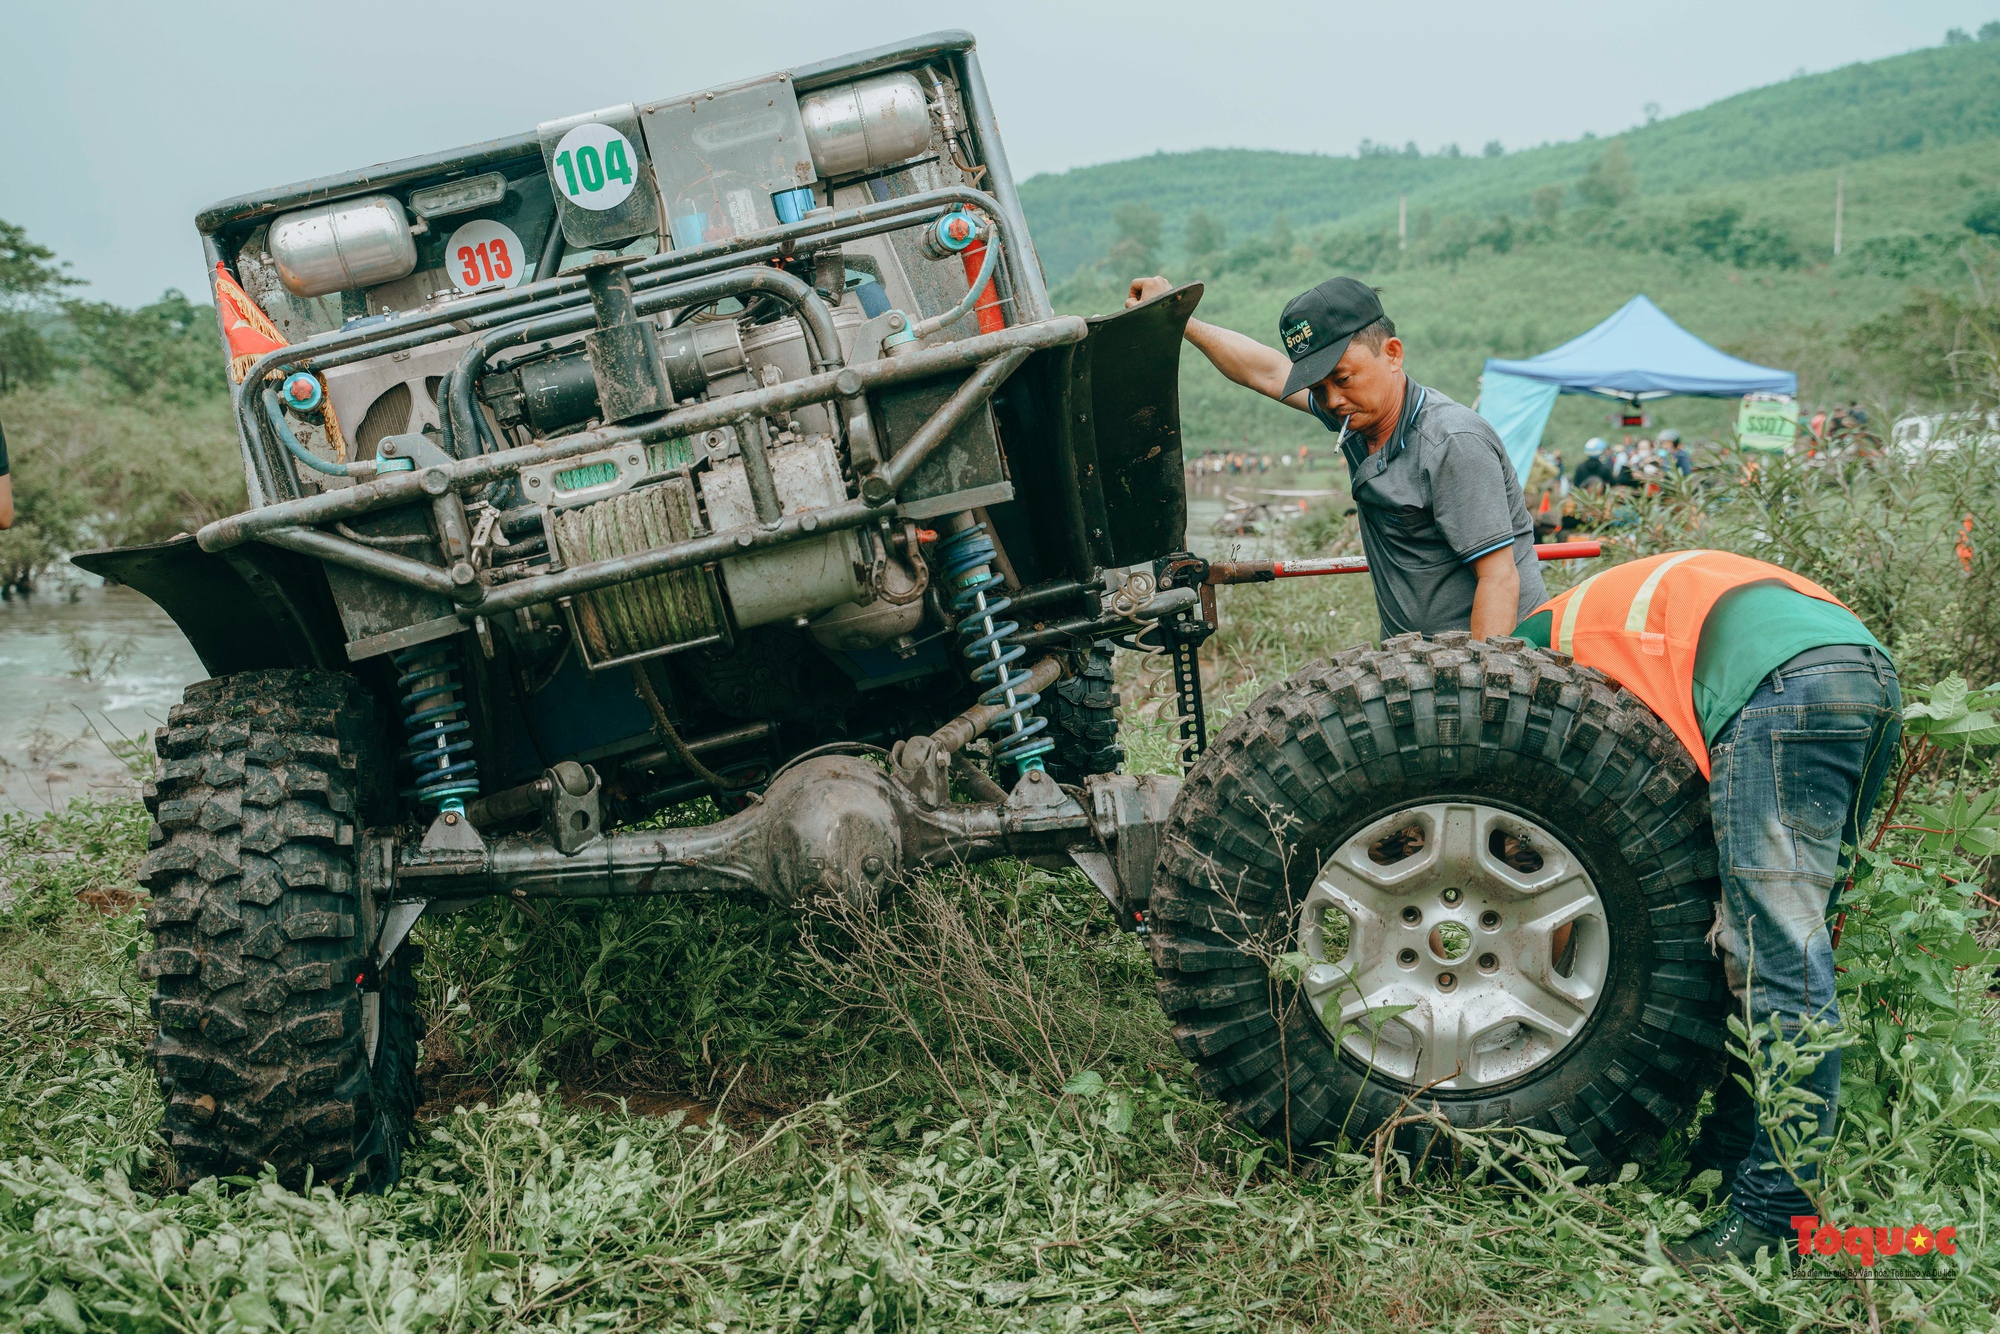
x=1733 y=1237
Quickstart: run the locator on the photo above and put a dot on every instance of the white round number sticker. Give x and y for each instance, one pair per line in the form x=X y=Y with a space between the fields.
x=594 y=166
x=483 y=255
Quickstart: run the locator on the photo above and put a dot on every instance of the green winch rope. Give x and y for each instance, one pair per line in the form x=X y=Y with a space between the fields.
x=641 y=614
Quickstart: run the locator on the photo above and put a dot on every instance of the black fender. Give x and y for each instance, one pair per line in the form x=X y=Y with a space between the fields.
x=248 y=608
x=1125 y=446
x=1093 y=436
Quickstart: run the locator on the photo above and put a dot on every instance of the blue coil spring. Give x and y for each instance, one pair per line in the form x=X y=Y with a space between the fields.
x=966 y=558
x=434 y=719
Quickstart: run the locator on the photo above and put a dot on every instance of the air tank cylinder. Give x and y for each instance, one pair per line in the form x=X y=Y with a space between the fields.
x=342 y=246
x=861 y=126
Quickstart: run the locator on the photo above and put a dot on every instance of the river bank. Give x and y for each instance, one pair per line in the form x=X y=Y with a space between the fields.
x=90 y=671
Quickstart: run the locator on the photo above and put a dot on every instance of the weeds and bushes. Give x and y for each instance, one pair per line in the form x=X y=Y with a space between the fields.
x=97 y=467
x=1010 y=1142
x=959 y=1109
x=1913 y=546
x=117 y=421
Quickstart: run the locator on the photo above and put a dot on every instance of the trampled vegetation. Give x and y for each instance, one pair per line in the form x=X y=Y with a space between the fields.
x=961 y=1109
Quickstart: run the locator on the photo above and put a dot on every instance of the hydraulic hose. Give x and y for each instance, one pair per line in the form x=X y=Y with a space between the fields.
x=299 y=451
x=925 y=328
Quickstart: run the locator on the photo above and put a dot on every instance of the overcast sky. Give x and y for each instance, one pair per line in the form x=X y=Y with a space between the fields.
x=125 y=116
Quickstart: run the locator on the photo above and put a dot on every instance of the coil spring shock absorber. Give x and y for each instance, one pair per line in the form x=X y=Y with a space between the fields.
x=434 y=719
x=967 y=560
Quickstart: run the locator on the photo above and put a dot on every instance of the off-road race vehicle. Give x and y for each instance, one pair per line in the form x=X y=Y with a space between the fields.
x=727 y=446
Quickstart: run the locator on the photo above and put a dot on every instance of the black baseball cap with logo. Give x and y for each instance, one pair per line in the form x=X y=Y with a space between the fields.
x=1317 y=325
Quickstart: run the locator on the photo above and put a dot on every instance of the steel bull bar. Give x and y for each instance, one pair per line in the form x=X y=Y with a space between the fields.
x=292 y=524
x=547 y=298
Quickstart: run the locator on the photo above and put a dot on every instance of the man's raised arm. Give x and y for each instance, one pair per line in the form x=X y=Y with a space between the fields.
x=1239 y=357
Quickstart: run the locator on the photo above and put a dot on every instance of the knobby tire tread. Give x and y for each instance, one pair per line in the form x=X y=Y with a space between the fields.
x=256 y=918
x=1446 y=715
x=1082 y=710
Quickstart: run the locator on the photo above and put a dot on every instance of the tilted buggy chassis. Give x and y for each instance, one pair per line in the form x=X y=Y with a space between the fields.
x=828 y=823
x=1526 y=798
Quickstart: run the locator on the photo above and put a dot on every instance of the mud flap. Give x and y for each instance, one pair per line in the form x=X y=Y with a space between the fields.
x=1124 y=430
x=250 y=608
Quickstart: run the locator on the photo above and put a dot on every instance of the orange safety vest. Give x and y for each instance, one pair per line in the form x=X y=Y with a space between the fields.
x=1640 y=624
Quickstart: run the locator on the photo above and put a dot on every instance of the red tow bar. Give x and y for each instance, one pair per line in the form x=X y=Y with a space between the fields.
x=1263 y=571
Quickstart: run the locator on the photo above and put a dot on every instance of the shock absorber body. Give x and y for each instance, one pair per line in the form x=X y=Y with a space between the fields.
x=966 y=557
x=431 y=698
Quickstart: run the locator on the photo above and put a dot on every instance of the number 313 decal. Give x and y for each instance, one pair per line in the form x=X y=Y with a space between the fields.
x=484 y=256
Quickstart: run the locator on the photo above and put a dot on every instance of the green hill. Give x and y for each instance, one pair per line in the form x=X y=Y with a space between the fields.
x=1906 y=104
x=1724 y=216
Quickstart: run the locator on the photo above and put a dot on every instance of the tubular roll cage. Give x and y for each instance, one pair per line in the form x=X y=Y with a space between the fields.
x=556 y=306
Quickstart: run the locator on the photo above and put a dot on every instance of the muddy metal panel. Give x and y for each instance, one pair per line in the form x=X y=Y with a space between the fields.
x=252 y=608
x=1123 y=430
x=969 y=460
x=603 y=181
x=723 y=154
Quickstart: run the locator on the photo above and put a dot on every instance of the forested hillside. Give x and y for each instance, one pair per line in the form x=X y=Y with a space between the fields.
x=1906 y=104
x=1724 y=216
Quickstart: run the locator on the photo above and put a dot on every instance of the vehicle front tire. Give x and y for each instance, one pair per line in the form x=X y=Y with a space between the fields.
x=275 y=1046
x=1426 y=797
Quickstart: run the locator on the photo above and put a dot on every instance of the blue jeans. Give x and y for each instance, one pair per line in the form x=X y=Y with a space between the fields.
x=1794 y=775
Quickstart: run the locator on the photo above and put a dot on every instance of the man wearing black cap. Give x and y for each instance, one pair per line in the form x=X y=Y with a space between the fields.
x=1449 y=542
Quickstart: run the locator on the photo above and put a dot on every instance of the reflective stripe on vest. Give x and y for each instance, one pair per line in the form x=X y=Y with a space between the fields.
x=1640 y=624
x=1573 y=601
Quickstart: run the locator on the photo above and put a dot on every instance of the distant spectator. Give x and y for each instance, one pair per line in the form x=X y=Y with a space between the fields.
x=1640 y=467
x=1594 y=473
x=1670 y=443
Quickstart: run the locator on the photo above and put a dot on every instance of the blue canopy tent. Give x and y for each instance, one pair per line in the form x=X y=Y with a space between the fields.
x=1636 y=355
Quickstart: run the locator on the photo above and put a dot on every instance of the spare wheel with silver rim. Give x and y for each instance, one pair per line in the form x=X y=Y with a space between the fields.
x=1445 y=873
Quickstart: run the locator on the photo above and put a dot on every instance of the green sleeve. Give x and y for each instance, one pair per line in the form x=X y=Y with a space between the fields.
x=1536 y=628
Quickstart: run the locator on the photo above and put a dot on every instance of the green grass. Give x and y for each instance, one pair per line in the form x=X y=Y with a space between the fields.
x=962 y=1110
x=971 y=1119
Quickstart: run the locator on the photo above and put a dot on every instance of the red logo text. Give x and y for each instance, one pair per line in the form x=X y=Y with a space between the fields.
x=1865 y=1243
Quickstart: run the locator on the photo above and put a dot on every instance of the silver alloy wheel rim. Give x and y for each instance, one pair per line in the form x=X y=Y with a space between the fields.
x=1401 y=1002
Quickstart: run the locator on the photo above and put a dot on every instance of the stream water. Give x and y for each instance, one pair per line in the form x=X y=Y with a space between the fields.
x=85 y=668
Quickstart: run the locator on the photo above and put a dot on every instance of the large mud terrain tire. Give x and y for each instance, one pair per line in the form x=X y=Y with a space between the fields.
x=1082 y=711
x=1495 y=872
x=269 y=1049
